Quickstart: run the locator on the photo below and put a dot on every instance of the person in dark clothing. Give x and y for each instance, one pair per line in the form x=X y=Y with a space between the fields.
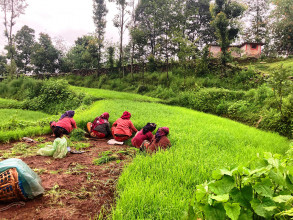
x=144 y=134
x=100 y=128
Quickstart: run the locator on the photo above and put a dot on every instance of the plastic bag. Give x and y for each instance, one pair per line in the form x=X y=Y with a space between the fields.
x=57 y=150
x=31 y=182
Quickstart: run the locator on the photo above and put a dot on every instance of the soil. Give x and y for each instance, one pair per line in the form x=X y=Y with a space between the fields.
x=75 y=188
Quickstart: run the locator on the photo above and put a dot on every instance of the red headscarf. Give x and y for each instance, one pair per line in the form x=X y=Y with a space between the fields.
x=101 y=120
x=163 y=131
x=126 y=115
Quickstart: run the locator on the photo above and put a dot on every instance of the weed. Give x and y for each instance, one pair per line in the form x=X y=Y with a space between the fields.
x=80 y=145
x=104 y=159
x=40 y=171
x=77 y=135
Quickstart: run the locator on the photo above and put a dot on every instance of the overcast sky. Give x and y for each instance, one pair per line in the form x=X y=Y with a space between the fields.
x=65 y=19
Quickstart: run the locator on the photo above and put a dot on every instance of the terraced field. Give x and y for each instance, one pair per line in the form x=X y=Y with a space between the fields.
x=160 y=186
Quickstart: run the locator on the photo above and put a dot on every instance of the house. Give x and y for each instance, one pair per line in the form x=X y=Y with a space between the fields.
x=246 y=49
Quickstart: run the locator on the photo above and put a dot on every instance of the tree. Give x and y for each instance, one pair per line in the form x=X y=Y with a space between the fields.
x=283 y=26
x=225 y=14
x=46 y=57
x=24 y=42
x=140 y=41
x=198 y=22
x=120 y=22
x=110 y=59
x=186 y=50
x=3 y=63
x=258 y=13
x=100 y=12
x=85 y=53
x=11 y=9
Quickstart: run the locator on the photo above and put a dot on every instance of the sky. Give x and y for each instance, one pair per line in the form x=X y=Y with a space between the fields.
x=62 y=19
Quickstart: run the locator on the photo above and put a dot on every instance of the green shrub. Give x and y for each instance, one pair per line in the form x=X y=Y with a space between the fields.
x=261 y=191
x=238 y=108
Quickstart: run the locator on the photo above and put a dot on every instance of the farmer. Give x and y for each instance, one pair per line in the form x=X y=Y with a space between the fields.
x=66 y=123
x=59 y=147
x=100 y=128
x=159 y=141
x=123 y=128
x=144 y=134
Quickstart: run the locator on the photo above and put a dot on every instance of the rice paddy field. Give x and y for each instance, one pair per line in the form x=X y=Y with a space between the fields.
x=160 y=186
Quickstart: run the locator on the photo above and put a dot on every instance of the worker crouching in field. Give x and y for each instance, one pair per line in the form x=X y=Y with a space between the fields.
x=59 y=147
x=66 y=123
x=123 y=128
x=100 y=128
x=159 y=141
x=144 y=134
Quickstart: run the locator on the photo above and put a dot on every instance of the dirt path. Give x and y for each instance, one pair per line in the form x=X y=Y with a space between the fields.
x=75 y=188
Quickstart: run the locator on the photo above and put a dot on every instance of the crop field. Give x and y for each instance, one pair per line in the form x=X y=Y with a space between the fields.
x=19 y=114
x=160 y=186
x=17 y=123
x=108 y=94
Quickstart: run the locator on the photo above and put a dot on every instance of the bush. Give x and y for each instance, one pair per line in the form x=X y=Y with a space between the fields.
x=238 y=108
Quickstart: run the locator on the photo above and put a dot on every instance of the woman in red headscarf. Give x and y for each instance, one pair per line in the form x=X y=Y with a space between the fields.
x=160 y=140
x=123 y=128
x=100 y=128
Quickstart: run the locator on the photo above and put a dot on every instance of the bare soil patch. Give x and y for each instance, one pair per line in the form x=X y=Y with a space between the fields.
x=75 y=188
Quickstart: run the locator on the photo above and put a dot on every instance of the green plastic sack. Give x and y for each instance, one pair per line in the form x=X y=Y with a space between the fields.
x=30 y=181
x=57 y=150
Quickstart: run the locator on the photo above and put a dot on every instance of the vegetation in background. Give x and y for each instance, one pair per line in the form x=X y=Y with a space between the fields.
x=50 y=96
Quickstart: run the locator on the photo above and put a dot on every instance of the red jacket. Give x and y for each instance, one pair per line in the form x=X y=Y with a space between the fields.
x=163 y=143
x=67 y=123
x=123 y=127
x=140 y=137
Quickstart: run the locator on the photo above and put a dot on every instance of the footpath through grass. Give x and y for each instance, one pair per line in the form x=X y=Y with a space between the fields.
x=160 y=186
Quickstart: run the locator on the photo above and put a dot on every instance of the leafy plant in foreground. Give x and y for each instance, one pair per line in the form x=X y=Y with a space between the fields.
x=257 y=192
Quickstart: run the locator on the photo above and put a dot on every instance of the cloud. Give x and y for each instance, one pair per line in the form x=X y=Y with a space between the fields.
x=68 y=19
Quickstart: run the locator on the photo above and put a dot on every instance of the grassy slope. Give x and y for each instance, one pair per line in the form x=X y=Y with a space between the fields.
x=159 y=186
x=108 y=94
x=269 y=67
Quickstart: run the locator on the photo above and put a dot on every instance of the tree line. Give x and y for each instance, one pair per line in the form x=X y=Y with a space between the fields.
x=160 y=31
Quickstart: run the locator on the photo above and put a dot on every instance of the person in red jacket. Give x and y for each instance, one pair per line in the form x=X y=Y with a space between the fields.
x=144 y=134
x=160 y=140
x=66 y=123
x=123 y=128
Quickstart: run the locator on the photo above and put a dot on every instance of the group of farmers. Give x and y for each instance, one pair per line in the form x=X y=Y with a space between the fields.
x=122 y=130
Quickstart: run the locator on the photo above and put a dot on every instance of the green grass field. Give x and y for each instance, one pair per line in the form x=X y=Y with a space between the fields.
x=17 y=123
x=159 y=186
x=19 y=114
x=108 y=94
